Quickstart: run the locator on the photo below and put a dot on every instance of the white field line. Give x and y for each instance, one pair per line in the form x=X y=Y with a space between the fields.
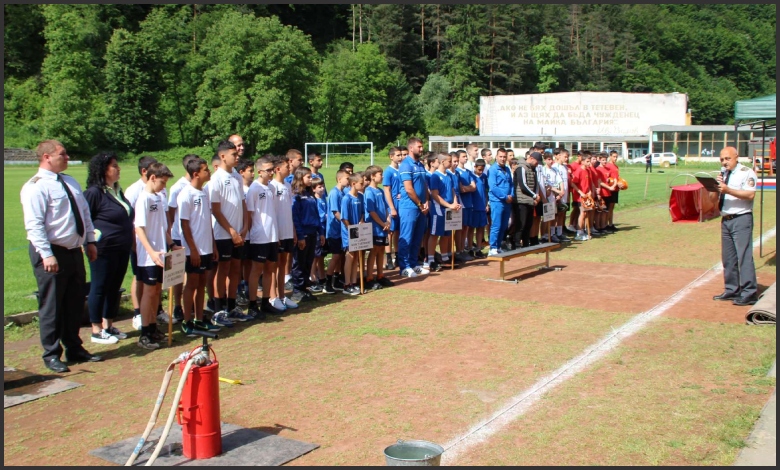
x=521 y=403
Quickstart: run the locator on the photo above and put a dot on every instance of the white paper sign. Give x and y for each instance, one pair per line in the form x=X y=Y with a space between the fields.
x=360 y=237
x=548 y=214
x=453 y=220
x=173 y=272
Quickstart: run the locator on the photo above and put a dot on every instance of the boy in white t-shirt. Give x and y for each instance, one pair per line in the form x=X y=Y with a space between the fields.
x=194 y=216
x=226 y=192
x=245 y=168
x=264 y=249
x=174 y=228
x=285 y=230
x=152 y=241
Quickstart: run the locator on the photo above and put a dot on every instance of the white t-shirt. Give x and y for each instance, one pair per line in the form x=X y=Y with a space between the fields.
x=150 y=214
x=550 y=177
x=563 y=177
x=227 y=190
x=132 y=192
x=261 y=202
x=248 y=232
x=173 y=204
x=284 y=220
x=194 y=206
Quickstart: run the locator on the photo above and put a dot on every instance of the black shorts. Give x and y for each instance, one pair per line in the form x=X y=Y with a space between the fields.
x=206 y=263
x=245 y=250
x=539 y=210
x=286 y=246
x=227 y=250
x=262 y=252
x=134 y=262
x=150 y=275
x=334 y=246
x=380 y=241
x=319 y=250
x=615 y=197
x=176 y=242
x=576 y=204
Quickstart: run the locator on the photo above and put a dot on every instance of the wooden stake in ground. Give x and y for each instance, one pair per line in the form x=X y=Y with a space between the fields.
x=360 y=257
x=452 y=249
x=647 y=183
x=170 y=316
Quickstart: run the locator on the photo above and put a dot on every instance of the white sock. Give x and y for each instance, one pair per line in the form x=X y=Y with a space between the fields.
x=430 y=259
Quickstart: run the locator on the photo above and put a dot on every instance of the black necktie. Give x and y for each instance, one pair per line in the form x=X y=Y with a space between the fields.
x=73 y=207
x=723 y=195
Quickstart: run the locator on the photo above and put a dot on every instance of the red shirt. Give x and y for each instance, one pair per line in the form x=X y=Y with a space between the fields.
x=581 y=177
x=603 y=177
x=594 y=178
x=575 y=166
x=614 y=171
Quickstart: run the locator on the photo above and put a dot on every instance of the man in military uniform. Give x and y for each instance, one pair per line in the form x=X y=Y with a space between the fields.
x=737 y=189
x=58 y=224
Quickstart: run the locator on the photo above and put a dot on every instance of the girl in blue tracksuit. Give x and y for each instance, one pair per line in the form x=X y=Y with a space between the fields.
x=501 y=194
x=308 y=229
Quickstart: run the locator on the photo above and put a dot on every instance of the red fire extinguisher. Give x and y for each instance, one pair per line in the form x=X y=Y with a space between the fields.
x=198 y=412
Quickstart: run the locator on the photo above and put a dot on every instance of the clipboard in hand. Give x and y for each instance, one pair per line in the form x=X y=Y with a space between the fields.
x=709 y=183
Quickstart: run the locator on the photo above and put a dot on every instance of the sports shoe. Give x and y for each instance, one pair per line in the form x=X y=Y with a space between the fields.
x=545 y=240
x=436 y=267
x=564 y=239
x=242 y=300
x=162 y=317
x=354 y=290
x=595 y=232
x=328 y=289
x=316 y=288
x=338 y=284
x=256 y=314
x=288 y=286
x=147 y=343
x=297 y=297
x=421 y=271
x=221 y=319
x=137 y=322
x=104 y=337
x=178 y=313
x=555 y=239
x=613 y=228
x=278 y=304
x=210 y=306
x=113 y=331
x=237 y=314
x=188 y=329
x=493 y=252
x=202 y=325
x=309 y=297
x=408 y=272
x=459 y=258
x=289 y=303
x=274 y=308
x=581 y=238
x=479 y=254
x=389 y=265
x=385 y=282
x=158 y=335
x=466 y=256
x=371 y=285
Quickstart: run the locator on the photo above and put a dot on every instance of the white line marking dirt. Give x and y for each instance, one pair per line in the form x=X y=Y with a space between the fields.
x=519 y=404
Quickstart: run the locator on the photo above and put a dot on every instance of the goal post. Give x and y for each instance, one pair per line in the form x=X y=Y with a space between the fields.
x=337 y=152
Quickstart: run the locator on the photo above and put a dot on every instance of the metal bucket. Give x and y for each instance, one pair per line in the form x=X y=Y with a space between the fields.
x=413 y=454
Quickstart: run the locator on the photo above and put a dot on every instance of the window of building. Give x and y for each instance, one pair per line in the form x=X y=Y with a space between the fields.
x=500 y=144
x=439 y=147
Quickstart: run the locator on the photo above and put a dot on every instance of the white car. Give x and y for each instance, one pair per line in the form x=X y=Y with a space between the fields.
x=664 y=160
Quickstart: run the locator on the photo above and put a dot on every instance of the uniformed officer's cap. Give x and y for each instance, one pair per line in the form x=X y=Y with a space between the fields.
x=536 y=156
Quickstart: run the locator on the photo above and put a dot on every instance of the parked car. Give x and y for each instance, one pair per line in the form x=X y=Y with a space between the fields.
x=664 y=160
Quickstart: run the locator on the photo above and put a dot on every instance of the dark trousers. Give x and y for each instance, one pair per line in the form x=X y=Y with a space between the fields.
x=649 y=167
x=60 y=300
x=524 y=219
x=302 y=262
x=739 y=270
x=107 y=273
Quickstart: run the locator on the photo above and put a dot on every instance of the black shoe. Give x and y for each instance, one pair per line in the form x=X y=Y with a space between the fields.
x=613 y=228
x=266 y=307
x=385 y=282
x=328 y=289
x=309 y=297
x=435 y=266
x=745 y=301
x=55 y=365
x=338 y=284
x=725 y=296
x=83 y=356
x=178 y=313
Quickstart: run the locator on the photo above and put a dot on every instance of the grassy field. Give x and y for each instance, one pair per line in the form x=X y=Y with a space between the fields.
x=644 y=189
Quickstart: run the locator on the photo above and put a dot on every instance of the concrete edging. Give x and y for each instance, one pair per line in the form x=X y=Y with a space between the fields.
x=26 y=318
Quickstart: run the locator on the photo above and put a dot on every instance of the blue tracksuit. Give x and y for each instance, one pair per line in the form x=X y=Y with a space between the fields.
x=306 y=219
x=500 y=184
x=413 y=221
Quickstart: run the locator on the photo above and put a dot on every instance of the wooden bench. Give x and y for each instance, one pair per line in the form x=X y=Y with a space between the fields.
x=531 y=250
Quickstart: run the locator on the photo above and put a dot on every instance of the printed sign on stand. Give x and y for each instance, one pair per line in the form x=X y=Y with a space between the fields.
x=453 y=220
x=360 y=237
x=548 y=214
x=173 y=270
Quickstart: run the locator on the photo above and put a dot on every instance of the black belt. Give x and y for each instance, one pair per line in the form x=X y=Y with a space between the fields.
x=734 y=216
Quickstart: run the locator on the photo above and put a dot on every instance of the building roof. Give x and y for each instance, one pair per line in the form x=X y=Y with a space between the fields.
x=665 y=128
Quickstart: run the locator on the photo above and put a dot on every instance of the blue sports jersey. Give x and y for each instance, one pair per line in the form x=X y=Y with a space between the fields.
x=391 y=178
x=465 y=177
x=443 y=184
x=322 y=208
x=479 y=197
x=455 y=184
x=352 y=210
x=334 y=205
x=346 y=190
x=375 y=202
x=288 y=179
x=413 y=171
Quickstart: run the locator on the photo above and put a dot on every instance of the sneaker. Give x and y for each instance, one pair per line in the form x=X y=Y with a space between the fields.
x=427 y=264
x=389 y=265
x=202 y=325
x=581 y=238
x=467 y=256
x=278 y=305
x=242 y=300
x=309 y=297
x=436 y=256
x=297 y=297
x=256 y=314
x=555 y=239
x=288 y=286
x=613 y=228
x=162 y=317
x=493 y=252
x=372 y=285
x=408 y=272
x=328 y=289
x=385 y=282
x=354 y=290
x=147 y=343
x=564 y=239
x=104 y=337
x=237 y=314
x=137 y=322
x=338 y=284
x=395 y=263
x=221 y=319
x=316 y=288
x=178 y=313
x=188 y=329
x=459 y=258
x=421 y=271
x=596 y=232
x=269 y=307
x=289 y=303
x=113 y=331
x=479 y=254
x=545 y=240
x=210 y=306
x=158 y=335
x=436 y=267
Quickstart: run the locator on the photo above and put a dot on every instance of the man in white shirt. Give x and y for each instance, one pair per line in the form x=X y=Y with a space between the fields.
x=175 y=228
x=59 y=226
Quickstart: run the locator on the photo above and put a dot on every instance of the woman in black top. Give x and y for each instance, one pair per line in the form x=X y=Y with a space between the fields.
x=112 y=216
